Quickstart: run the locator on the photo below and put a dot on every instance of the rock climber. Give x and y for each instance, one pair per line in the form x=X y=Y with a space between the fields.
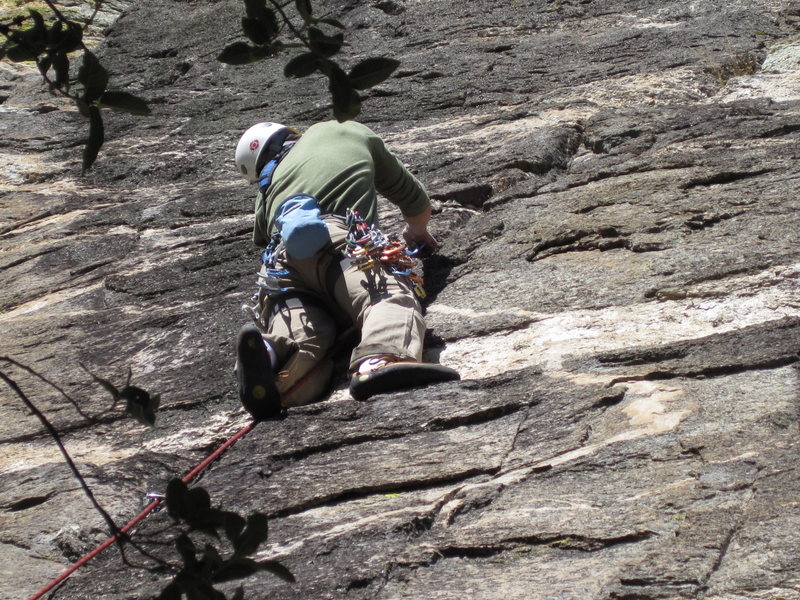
x=326 y=267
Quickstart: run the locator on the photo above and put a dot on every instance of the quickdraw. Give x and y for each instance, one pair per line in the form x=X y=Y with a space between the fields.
x=369 y=248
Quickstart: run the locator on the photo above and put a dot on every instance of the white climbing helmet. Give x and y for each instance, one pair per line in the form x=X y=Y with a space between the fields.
x=259 y=144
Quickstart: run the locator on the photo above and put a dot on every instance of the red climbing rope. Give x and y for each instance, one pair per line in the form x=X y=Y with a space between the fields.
x=147 y=510
x=186 y=479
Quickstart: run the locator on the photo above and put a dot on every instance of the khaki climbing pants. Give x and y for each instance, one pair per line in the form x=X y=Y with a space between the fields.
x=324 y=291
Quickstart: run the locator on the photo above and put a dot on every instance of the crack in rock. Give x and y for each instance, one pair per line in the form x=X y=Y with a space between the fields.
x=723 y=178
x=348 y=495
x=585 y=240
x=564 y=542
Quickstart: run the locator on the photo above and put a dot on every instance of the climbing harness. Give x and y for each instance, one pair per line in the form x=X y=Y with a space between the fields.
x=370 y=250
x=269 y=281
x=269 y=278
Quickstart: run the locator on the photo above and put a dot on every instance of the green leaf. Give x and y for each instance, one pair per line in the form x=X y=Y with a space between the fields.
x=61 y=68
x=301 y=65
x=304 y=9
x=346 y=101
x=211 y=558
x=234 y=524
x=171 y=592
x=96 y=138
x=208 y=520
x=124 y=102
x=83 y=108
x=198 y=499
x=255 y=31
x=276 y=568
x=239 y=53
x=253 y=535
x=93 y=76
x=65 y=40
x=256 y=9
x=140 y=404
x=186 y=548
x=44 y=65
x=372 y=71
x=324 y=45
x=197 y=589
x=35 y=37
x=177 y=499
x=235 y=568
x=38 y=20
x=20 y=53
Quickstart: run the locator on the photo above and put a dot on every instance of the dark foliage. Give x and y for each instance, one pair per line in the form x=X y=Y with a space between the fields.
x=266 y=24
x=268 y=28
x=49 y=43
x=205 y=566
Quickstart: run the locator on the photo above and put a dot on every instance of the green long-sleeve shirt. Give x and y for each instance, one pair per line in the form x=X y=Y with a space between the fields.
x=342 y=165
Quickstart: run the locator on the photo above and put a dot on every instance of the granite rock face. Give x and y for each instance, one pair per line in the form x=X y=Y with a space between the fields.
x=616 y=192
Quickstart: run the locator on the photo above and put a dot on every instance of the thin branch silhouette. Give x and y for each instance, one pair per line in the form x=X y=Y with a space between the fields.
x=52 y=384
x=120 y=537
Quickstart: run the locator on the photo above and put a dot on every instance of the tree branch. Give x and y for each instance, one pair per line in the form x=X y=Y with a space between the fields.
x=116 y=532
x=297 y=33
x=71 y=400
x=55 y=10
x=119 y=536
x=98 y=4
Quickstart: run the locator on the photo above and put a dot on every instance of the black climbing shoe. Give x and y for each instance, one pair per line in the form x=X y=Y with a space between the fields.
x=257 y=389
x=398 y=376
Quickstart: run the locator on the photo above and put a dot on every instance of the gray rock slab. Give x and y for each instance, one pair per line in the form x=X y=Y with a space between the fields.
x=615 y=188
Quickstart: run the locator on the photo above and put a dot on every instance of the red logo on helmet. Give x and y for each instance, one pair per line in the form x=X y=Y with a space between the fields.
x=253 y=145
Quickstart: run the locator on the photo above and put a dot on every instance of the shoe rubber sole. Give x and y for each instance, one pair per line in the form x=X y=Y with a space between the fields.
x=257 y=390
x=399 y=376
